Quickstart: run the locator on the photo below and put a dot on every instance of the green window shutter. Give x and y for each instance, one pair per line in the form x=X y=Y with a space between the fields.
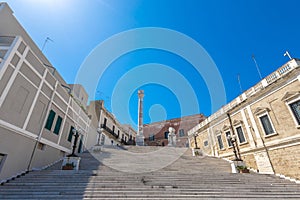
x=50 y=120
x=70 y=134
x=57 y=125
x=80 y=144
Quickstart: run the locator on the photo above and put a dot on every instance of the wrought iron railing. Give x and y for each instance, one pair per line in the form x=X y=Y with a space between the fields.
x=279 y=73
x=107 y=129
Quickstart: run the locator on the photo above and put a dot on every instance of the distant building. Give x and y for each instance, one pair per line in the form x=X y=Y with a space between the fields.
x=79 y=94
x=108 y=127
x=264 y=120
x=156 y=134
x=130 y=132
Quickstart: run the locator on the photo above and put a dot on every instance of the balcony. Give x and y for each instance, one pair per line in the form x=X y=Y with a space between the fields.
x=109 y=131
x=5 y=43
x=123 y=142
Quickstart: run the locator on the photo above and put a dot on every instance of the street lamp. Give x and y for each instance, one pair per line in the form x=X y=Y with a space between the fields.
x=196 y=144
x=232 y=139
x=76 y=134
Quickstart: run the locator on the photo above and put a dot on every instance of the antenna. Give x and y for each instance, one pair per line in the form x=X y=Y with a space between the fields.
x=287 y=54
x=46 y=40
x=239 y=80
x=253 y=57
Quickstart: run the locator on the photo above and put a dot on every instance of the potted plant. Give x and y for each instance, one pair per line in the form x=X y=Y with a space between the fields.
x=197 y=152
x=242 y=169
x=68 y=166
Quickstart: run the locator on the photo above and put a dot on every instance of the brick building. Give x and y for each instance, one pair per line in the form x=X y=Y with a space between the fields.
x=265 y=122
x=156 y=134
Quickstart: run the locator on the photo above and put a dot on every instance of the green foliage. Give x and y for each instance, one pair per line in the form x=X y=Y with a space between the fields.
x=241 y=167
x=69 y=165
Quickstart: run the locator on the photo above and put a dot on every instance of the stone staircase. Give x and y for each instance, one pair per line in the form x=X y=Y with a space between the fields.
x=148 y=173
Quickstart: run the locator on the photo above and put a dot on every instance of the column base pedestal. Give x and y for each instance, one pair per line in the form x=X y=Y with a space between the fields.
x=140 y=141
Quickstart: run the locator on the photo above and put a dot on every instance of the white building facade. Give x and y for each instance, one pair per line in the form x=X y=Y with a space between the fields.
x=37 y=112
x=109 y=129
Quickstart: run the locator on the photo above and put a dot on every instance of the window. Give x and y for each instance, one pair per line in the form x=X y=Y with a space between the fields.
x=266 y=124
x=113 y=130
x=227 y=134
x=2 y=159
x=70 y=134
x=295 y=107
x=50 y=120
x=57 y=125
x=118 y=133
x=151 y=137
x=79 y=150
x=240 y=134
x=166 y=134
x=181 y=133
x=220 y=142
x=102 y=139
x=205 y=143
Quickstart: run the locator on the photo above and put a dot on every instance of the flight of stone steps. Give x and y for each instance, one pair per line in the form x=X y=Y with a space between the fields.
x=148 y=173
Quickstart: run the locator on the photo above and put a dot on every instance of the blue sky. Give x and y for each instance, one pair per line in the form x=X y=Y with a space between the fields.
x=229 y=31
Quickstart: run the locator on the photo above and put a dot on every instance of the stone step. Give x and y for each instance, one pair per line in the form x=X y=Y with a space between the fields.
x=185 y=178
x=76 y=195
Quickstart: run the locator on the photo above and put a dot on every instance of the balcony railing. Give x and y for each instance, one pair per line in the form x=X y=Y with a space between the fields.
x=123 y=142
x=130 y=142
x=279 y=73
x=107 y=129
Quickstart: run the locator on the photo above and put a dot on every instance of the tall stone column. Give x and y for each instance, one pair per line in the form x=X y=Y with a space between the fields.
x=140 y=136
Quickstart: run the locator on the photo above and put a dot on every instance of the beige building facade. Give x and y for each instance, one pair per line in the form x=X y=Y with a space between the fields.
x=264 y=121
x=110 y=130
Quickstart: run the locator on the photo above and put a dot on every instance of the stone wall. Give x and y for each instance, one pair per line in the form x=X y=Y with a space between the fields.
x=286 y=161
x=266 y=151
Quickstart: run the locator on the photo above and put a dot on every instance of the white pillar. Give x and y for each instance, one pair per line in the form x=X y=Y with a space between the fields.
x=140 y=136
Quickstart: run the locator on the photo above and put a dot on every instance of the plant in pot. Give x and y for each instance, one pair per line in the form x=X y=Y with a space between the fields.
x=242 y=169
x=197 y=152
x=68 y=166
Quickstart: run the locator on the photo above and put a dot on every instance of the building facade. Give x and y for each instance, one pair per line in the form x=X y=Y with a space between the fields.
x=37 y=112
x=264 y=123
x=109 y=130
x=156 y=134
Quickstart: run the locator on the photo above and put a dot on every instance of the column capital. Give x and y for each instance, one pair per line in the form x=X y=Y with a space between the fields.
x=141 y=94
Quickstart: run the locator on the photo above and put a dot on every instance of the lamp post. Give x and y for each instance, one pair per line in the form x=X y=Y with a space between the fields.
x=196 y=144
x=76 y=134
x=232 y=139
